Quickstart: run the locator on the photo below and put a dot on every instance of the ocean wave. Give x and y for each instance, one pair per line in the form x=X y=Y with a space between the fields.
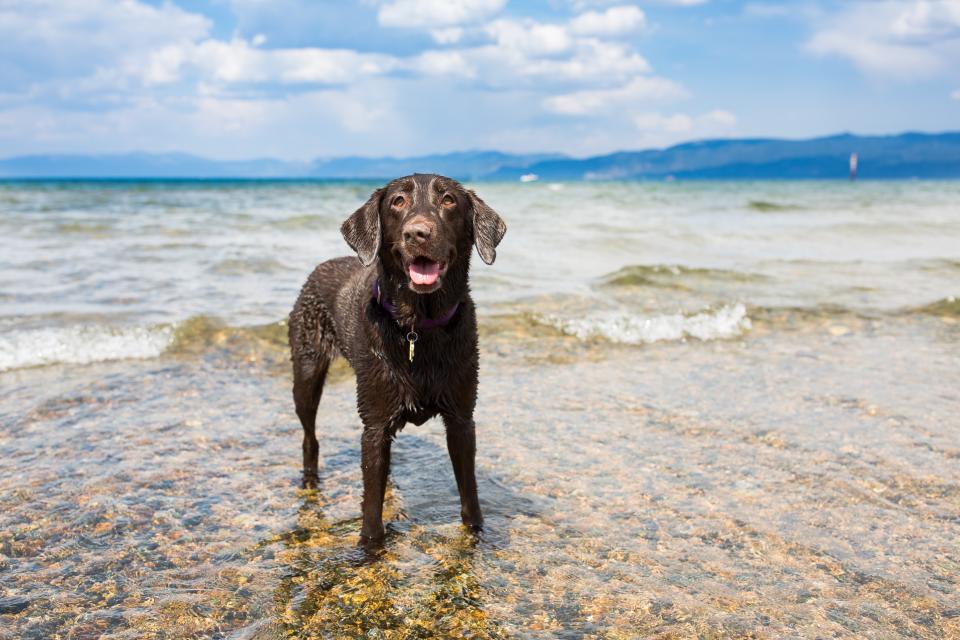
x=765 y=206
x=939 y=264
x=88 y=343
x=725 y=322
x=199 y=334
x=246 y=266
x=673 y=276
x=946 y=308
x=80 y=345
x=312 y=221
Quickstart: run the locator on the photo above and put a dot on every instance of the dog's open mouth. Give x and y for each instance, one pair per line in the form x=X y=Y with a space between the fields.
x=424 y=271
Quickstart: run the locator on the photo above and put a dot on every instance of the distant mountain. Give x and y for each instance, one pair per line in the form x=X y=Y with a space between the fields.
x=466 y=165
x=909 y=155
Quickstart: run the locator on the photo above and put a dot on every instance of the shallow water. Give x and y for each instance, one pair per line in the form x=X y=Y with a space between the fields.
x=748 y=429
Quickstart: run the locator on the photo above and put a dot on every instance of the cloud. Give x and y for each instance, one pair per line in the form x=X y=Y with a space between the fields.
x=219 y=64
x=238 y=61
x=432 y=14
x=612 y=22
x=590 y=63
x=875 y=56
x=683 y=123
x=298 y=126
x=443 y=63
x=662 y=130
x=956 y=95
x=580 y=5
x=43 y=40
x=639 y=90
x=450 y=35
x=720 y=118
x=531 y=54
x=677 y=123
x=894 y=38
x=530 y=37
x=115 y=76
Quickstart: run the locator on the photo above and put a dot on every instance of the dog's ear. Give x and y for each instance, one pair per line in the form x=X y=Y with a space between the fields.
x=488 y=228
x=362 y=229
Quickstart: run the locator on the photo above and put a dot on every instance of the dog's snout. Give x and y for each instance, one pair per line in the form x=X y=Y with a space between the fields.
x=417 y=232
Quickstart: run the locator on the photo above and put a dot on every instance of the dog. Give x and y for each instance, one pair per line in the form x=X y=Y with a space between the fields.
x=400 y=312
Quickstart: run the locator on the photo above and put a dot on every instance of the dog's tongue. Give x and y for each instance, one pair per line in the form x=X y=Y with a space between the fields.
x=424 y=271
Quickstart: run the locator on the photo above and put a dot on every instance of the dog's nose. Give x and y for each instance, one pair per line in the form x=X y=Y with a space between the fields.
x=418 y=232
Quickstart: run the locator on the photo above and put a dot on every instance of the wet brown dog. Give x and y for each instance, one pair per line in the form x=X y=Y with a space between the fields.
x=403 y=318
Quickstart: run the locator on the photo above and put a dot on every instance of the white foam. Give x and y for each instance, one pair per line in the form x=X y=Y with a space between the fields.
x=726 y=322
x=80 y=345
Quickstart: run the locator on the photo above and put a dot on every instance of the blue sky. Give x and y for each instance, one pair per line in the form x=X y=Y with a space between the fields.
x=298 y=79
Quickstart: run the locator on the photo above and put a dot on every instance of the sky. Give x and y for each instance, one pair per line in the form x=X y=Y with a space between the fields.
x=301 y=79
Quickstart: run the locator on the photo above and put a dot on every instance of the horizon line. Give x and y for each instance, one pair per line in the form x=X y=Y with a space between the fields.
x=556 y=154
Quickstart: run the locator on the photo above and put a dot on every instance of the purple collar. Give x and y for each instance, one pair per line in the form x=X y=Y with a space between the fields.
x=426 y=323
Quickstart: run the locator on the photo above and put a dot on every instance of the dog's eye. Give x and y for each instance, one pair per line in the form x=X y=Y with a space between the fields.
x=399 y=201
x=448 y=200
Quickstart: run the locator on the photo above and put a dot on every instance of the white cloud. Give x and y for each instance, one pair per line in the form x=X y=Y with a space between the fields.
x=876 y=56
x=116 y=75
x=925 y=21
x=46 y=39
x=529 y=36
x=720 y=118
x=956 y=95
x=662 y=130
x=893 y=37
x=592 y=63
x=443 y=63
x=437 y=13
x=612 y=22
x=298 y=126
x=450 y=35
x=580 y=5
x=238 y=62
x=640 y=90
x=677 y=123
x=680 y=123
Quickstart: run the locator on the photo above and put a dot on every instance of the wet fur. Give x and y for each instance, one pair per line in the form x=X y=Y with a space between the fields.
x=336 y=315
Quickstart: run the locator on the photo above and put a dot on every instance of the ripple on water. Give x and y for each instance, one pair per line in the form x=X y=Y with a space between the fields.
x=674 y=493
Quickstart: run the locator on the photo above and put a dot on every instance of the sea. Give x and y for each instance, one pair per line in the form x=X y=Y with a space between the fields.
x=707 y=409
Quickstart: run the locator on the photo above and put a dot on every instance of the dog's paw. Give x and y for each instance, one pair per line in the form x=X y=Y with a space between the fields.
x=310 y=480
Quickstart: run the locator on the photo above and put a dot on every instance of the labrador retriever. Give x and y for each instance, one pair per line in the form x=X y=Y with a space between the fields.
x=403 y=318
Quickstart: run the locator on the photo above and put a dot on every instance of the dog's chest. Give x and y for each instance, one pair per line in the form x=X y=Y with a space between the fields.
x=423 y=393
x=429 y=384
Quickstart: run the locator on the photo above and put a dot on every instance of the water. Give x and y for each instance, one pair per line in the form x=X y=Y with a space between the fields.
x=706 y=410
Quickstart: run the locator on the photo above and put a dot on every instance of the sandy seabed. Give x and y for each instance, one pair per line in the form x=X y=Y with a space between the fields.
x=800 y=481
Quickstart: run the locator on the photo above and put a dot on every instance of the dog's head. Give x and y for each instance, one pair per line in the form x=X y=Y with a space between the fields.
x=422 y=228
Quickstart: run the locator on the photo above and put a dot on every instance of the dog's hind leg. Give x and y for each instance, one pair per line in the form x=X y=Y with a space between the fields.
x=312 y=349
x=307 y=389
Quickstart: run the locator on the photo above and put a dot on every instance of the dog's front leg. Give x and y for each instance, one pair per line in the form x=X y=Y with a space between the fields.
x=375 y=463
x=462 y=447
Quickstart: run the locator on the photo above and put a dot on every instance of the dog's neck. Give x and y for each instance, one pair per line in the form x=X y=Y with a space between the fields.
x=410 y=308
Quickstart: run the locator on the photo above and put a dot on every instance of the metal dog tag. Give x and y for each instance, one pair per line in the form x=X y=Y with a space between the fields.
x=412 y=339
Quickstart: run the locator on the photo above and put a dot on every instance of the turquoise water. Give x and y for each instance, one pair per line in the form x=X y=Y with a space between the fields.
x=127 y=261
x=706 y=410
